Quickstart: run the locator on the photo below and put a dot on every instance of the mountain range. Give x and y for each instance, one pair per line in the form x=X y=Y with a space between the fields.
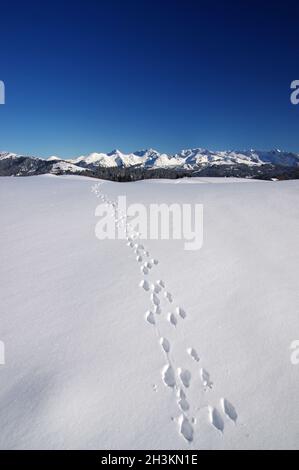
x=118 y=166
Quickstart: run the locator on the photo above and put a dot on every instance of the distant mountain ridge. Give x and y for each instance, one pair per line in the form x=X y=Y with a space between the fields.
x=149 y=163
x=189 y=158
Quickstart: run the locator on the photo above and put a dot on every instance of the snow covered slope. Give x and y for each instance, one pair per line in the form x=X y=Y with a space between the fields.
x=85 y=366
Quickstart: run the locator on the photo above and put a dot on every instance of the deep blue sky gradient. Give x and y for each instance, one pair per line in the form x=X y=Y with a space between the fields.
x=87 y=76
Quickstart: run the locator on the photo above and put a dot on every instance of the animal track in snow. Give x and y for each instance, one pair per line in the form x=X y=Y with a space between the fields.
x=168 y=376
x=150 y=317
x=185 y=428
x=155 y=299
x=168 y=296
x=180 y=393
x=228 y=409
x=161 y=283
x=193 y=354
x=183 y=404
x=181 y=312
x=145 y=285
x=155 y=288
x=185 y=376
x=216 y=418
x=182 y=400
x=205 y=378
x=182 y=377
x=172 y=319
x=165 y=344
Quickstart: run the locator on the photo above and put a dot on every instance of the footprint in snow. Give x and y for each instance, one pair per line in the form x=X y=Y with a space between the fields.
x=155 y=288
x=180 y=393
x=172 y=319
x=185 y=428
x=168 y=296
x=228 y=409
x=183 y=404
x=216 y=419
x=182 y=400
x=185 y=376
x=150 y=318
x=192 y=353
x=154 y=261
x=168 y=376
x=181 y=312
x=205 y=378
x=157 y=309
x=165 y=344
x=139 y=259
x=144 y=270
x=145 y=285
x=161 y=283
x=155 y=299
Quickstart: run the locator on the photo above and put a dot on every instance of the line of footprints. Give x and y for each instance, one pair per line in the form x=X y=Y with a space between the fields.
x=176 y=378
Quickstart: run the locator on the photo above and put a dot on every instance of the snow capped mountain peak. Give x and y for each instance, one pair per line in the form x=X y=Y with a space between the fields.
x=193 y=151
x=53 y=158
x=4 y=155
x=115 y=152
x=146 y=152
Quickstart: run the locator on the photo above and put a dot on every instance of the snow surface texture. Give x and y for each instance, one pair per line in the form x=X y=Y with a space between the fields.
x=98 y=357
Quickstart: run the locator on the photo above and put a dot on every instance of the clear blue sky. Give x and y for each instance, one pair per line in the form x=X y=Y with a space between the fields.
x=87 y=76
